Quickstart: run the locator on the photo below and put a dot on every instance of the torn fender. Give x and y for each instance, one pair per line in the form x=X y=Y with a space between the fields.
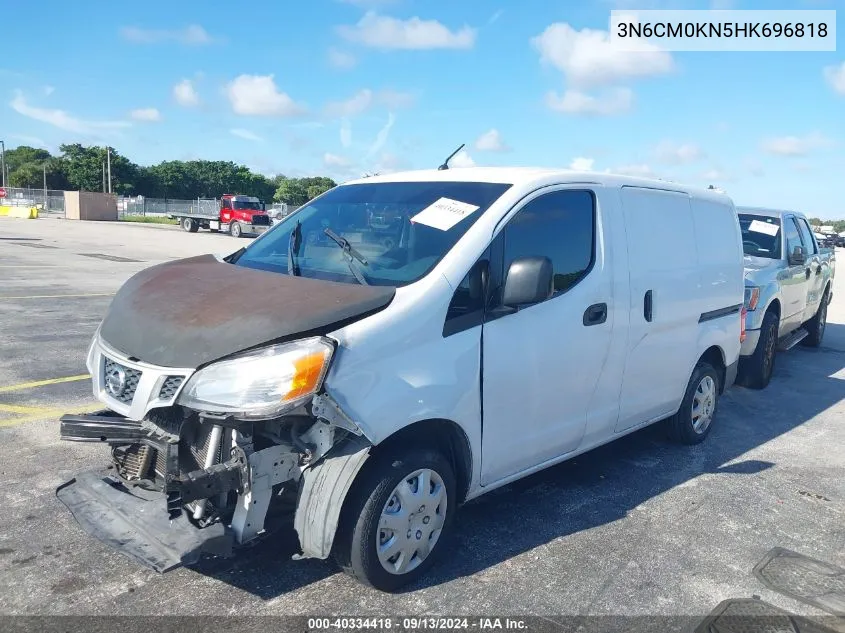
x=324 y=488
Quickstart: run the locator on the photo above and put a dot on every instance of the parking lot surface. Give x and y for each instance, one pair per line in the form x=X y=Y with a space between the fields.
x=638 y=527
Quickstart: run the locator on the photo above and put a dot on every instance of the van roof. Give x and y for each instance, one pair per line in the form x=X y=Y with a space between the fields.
x=771 y=213
x=536 y=176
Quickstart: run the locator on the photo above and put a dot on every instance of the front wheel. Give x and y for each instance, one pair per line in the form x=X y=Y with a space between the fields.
x=693 y=421
x=235 y=229
x=397 y=518
x=756 y=371
x=815 y=326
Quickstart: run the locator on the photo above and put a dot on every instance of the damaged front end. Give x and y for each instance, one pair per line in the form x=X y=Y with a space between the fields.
x=185 y=481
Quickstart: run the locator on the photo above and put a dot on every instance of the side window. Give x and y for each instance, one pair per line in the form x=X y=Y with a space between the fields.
x=793 y=239
x=466 y=309
x=558 y=225
x=807 y=237
x=227 y=204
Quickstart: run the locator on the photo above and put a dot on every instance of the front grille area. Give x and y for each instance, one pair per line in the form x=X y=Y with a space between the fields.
x=170 y=387
x=261 y=220
x=119 y=381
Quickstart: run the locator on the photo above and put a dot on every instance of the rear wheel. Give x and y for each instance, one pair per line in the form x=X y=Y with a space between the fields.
x=396 y=518
x=693 y=421
x=190 y=225
x=235 y=229
x=816 y=325
x=755 y=371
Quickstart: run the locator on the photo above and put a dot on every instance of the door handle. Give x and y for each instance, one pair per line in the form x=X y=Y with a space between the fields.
x=595 y=314
x=819 y=269
x=648 y=306
x=808 y=273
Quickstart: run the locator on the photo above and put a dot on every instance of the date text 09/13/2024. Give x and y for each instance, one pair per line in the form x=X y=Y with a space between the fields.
x=416 y=623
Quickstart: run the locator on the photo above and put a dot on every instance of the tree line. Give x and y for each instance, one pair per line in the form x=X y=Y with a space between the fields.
x=80 y=168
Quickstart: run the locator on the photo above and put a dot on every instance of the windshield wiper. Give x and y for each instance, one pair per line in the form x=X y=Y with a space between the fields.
x=350 y=255
x=293 y=249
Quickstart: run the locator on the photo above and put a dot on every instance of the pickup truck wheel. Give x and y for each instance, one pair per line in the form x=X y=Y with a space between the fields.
x=693 y=421
x=235 y=229
x=190 y=225
x=397 y=518
x=816 y=325
x=755 y=371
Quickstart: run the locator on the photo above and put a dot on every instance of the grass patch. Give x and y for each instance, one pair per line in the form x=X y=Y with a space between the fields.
x=148 y=219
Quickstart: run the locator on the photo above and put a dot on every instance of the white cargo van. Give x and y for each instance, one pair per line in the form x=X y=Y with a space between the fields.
x=374 y=375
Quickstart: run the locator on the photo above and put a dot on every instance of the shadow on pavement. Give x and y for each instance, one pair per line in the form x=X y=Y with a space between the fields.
x=592 y=489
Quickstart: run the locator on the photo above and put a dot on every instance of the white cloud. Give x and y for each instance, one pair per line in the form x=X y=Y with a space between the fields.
x=389 y=163
x=364 y=99
x=333 y=160
x=462 y=159
x=495 y=17
x=835 y=77
x=257 y=95
x=60 y=118
x=382 y=136
x=145 y=114
x=345 y=133
x=341 y=59
x=717 y=175
x=491 y=141
x=48 y=90
x=192 y=35
x=32 y=141
x=795 y=145
x=355 y=105
x=609 y=103
x=582 y=164
x=185 y=94
x=246 y=134
x=386 y=33
x=640 y=170
x=674 y=153
x=589 y=57
x=394 y=99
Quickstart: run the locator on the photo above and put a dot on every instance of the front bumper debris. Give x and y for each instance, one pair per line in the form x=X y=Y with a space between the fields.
x=138 y=526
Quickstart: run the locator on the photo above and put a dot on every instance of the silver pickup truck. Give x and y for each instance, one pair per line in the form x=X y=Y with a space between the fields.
x=788 y=286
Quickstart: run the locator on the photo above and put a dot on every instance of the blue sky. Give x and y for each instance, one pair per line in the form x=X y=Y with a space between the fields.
x=341 y=87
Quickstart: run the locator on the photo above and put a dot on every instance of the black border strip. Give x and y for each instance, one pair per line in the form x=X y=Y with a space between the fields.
x=718 y=314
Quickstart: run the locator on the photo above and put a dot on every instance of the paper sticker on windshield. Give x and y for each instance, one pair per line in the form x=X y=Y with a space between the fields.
x=444 y=214
x=763 y=227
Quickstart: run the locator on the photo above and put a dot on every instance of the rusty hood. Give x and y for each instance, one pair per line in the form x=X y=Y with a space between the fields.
x=189 y=312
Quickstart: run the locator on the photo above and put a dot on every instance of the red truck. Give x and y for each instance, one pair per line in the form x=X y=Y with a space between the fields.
x=239 y=215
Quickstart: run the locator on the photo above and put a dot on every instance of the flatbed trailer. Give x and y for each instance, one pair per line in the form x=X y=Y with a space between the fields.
x=237 y=215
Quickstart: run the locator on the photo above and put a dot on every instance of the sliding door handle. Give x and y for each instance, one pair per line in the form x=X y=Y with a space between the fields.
x=595 y=314
x=648 y=306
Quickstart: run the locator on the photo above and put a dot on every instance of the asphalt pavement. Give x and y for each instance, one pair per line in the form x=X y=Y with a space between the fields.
x=638 y=527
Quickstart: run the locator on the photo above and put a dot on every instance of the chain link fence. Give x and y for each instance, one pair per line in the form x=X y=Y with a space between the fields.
x=162 y=207
x=47 y=202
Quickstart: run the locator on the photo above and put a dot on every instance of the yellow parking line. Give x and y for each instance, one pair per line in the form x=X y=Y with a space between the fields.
x=94 y=294
x=41 y=383
x=18 y=408
x=45 y=413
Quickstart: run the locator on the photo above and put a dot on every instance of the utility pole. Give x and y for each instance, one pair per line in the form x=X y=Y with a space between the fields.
x=108 y=162
x=104 y=176
x=45 y=186
x=3 y=161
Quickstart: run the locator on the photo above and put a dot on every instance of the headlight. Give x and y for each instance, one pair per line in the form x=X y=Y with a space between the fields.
x=263 y=383
x=752 y=297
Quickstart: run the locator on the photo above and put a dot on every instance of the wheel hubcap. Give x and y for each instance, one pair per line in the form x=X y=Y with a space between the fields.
x=411 y=521
x=703 y=404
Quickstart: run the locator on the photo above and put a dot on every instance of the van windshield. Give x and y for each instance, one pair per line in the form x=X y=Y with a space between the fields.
x=400 y=229
x=760 y=235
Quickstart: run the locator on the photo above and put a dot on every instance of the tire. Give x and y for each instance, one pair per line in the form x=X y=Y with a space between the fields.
x=756 y=371
x=702 y=393
x=817 y=325
x=190 y=225
x=374 y=496
x=235 y=229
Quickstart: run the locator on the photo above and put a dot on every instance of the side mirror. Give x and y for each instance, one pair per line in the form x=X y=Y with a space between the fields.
x=797 y=257
x=529 y=280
